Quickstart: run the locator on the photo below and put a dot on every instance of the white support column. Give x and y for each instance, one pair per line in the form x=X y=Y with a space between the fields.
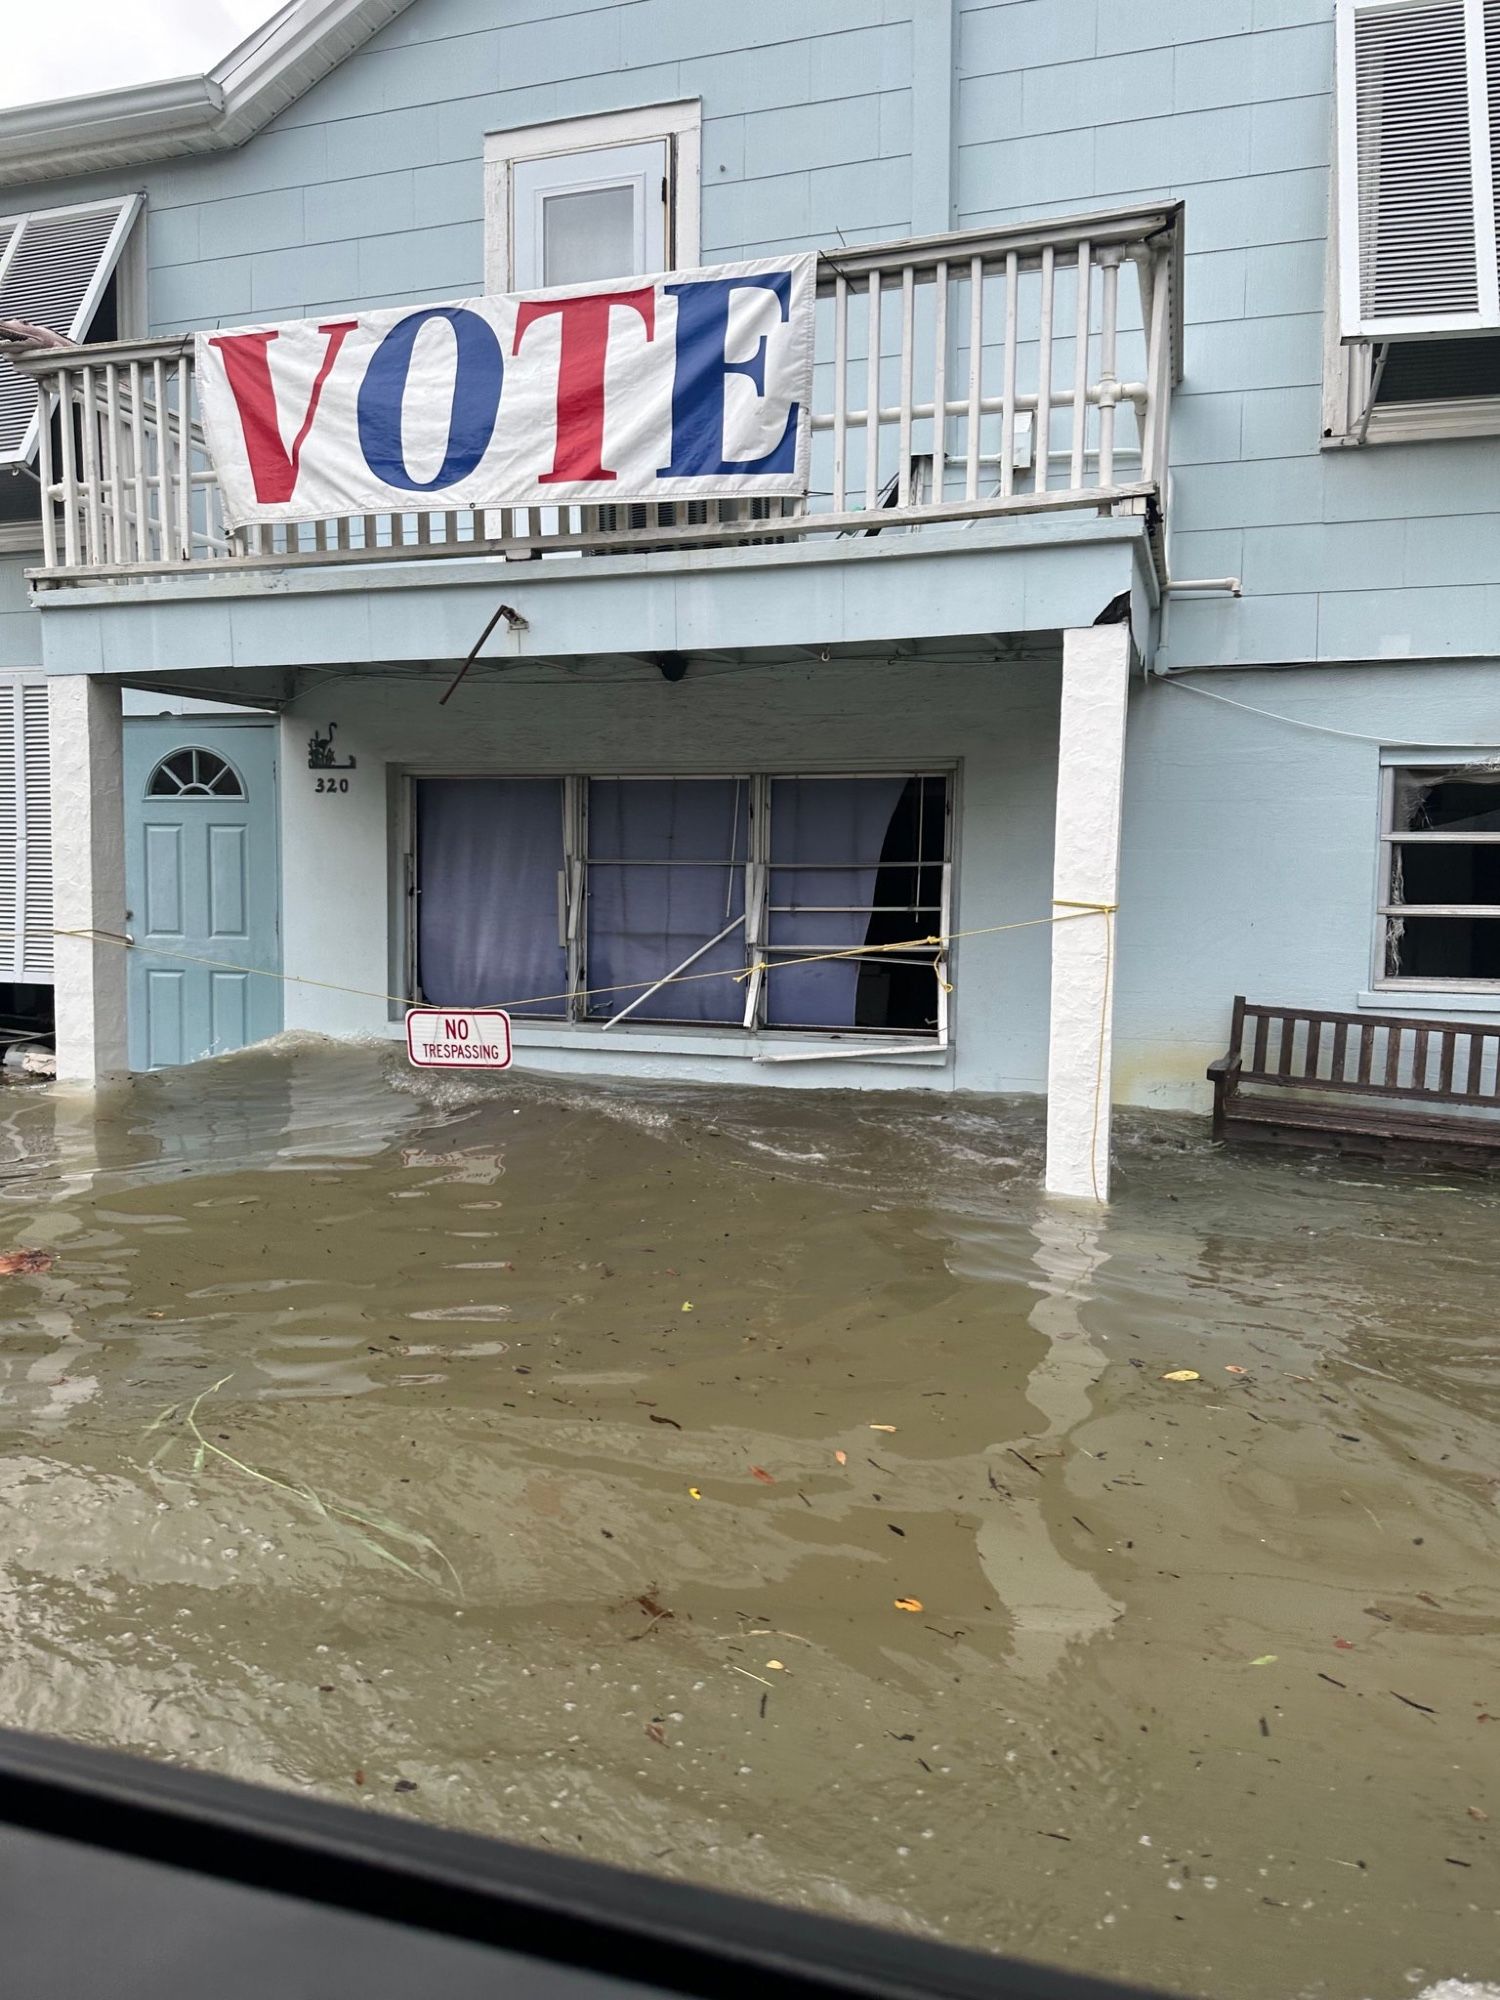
x=1086 y=869
x=88 y=875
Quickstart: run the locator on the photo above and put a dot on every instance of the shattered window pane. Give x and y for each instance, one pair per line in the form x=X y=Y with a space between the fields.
x=1443 y=863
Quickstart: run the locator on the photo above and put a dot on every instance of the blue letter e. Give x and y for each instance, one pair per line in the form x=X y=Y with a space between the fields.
x=698 y=386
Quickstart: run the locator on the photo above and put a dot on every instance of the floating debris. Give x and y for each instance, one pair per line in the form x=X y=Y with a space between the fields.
x=26 y=1263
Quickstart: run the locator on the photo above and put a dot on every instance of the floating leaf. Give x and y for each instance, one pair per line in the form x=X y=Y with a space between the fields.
x=882 y=1427
x=1478 y=1812
x=687 y=1305
x=694 y=1494
x=1265 y=1660
x=1182 y=1375
x=759 y=1472
x=1231 y=1368
x=908 y=1603
x=842 y=1457
x=776 y=1666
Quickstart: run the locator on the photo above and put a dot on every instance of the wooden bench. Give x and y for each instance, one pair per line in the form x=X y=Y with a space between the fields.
x=1358 y=1081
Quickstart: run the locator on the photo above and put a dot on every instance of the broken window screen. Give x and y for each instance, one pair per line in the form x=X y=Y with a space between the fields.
x=1441 y=911
x=856 y=863
x=666 y=897
x=489 y=859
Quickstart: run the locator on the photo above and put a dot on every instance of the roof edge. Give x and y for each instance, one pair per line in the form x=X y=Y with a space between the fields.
x=269 y=70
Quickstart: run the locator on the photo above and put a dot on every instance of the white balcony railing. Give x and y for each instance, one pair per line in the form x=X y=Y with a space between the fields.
x=991 y=372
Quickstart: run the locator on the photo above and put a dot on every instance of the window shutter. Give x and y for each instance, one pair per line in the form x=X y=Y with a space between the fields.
x=25 y=834
x=1417 y=170
x=36 y=803
x=54 y=266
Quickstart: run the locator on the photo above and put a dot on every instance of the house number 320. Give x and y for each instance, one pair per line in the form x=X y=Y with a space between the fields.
x=331 y=785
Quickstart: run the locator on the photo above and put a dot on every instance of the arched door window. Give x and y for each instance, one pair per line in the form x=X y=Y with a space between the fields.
x=194 y=774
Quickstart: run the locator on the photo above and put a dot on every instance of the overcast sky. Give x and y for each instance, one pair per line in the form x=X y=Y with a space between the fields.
x=100 y=44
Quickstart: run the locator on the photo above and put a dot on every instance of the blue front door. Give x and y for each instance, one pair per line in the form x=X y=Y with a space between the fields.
x=202 y=886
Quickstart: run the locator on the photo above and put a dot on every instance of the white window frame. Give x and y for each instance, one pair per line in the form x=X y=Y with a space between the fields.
x=1353 y=325
x=753 y=1037
x=1392 y=761
x=1351 y=419
x=679 y=125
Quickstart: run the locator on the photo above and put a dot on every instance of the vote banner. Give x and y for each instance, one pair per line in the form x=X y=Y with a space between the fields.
x=691 y=385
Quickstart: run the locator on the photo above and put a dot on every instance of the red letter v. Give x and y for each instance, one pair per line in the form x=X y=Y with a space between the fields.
x=247 y=368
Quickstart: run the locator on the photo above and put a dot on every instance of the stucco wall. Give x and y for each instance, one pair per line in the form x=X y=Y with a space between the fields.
x=1251 y=852
x=1250 y=842
x=1001 y=722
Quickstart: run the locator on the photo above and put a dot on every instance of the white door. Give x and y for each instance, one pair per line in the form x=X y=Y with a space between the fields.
x=577 y=217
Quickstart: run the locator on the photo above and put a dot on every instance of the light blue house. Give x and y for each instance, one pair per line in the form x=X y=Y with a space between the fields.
x=1144 y=600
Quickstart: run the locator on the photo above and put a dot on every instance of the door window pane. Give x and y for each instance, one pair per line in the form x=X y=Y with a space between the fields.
x=666 y=876
x=489 y=857
x=591 y=216
x=588 y=235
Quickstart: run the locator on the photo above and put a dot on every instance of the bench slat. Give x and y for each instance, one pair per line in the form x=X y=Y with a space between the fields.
x=1366 y=1049
x=1436 y=1073
x=1393 y=1056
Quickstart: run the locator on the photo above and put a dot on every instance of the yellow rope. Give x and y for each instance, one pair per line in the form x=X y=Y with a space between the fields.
x=1074 y=911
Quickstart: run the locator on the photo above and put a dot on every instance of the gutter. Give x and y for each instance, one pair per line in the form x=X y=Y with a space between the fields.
x=52 y=137
x=189 y=114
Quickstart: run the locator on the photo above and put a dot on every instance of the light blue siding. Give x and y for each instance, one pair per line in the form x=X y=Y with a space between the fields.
x=369 y=189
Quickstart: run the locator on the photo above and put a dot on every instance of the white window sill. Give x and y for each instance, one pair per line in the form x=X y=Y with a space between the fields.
x=726 y=1044
x=1417 y=423
x=1417 y=999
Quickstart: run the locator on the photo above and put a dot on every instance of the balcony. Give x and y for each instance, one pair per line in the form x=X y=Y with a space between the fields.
x=990 y=373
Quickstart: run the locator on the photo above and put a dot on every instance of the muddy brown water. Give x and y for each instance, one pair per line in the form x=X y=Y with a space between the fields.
x=555 y=1461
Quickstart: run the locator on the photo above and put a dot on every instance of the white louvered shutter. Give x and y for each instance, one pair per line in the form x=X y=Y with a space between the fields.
x=11 y=851
x=1418 y=170
x=54 y=266
x=25 y=834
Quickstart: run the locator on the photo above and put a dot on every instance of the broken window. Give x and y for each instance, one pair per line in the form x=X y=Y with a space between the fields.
x=856 y=869
x=1441 y=907
x=666 y=897
x=752 y=902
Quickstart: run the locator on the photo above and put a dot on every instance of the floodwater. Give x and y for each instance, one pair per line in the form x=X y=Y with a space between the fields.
x=774 y=1491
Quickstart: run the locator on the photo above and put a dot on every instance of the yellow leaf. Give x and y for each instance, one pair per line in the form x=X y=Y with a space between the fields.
x=842 y=1457
x=882 y=1427
x=775 y=1666
x=908 y=1603
x=1182 y=1375
x=694 y=1494
x=1265 y=1660
x=687 y=1305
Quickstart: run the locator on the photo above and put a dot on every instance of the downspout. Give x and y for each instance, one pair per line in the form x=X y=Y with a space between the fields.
x=934 y=52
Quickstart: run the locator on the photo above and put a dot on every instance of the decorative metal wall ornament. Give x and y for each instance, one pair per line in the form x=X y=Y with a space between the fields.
x=320 y=755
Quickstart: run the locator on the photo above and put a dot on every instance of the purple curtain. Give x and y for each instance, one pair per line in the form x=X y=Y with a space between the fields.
x=489 y=852
x=834 y=831
x=666 y=873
